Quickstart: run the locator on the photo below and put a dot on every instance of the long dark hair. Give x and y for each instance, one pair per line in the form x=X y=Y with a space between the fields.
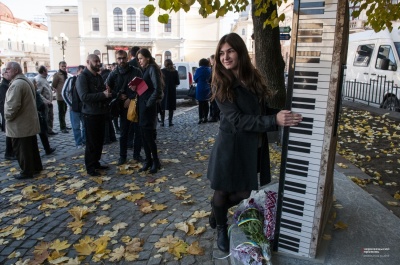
x=223 y=79
x=147 y=54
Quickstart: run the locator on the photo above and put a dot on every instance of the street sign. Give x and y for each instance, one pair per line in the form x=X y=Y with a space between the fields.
x=284 y=36
x=284 y=29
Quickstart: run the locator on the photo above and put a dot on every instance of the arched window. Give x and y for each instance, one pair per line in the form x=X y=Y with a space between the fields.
x=9 y=44
x=23 y=45
x=131 y=19
x=144 y=22
x=34 y=46
x=117 y=19
x=243 y=32
x=167 y=55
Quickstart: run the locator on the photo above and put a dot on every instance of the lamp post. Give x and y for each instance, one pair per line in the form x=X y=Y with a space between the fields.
x=62 y=40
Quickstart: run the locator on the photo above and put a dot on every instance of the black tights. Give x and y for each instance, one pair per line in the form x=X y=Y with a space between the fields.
x=223 y=200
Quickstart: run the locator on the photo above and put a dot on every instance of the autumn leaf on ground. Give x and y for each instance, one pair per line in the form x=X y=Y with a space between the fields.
x=132 y=186
x=397 y=196
x=199 y=231
x=157 y=189
x=134 y=197
x=159 y=207
x=22 y=221
x=81 y=195
x=135 y=245
x=105 y=207
x=102 y=220
x=79 y=212
x=41 y=247
x=146 y=208
x=18 y=233
x=58 y=245
x=14 y=255
x=162 y=221
x=101 y=245
x=200 y=214
x=117 y=254
x=178 y=190
x=393 y=203
x=340 y=225
x=342 y=165
x=165 y=242
x=119 y=226
x=183 y=226
x=84 y=248
x=195 y=249
x=326 y=237
x=76 y=226
x=178 y=249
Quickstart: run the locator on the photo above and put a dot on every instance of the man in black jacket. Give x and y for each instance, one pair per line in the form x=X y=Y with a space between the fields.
x=118 y=81
x=5 y=83
x=95 y=98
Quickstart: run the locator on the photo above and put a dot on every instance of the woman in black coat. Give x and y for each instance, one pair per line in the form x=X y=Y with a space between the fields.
x=148 y=109
x=171 y=81
x=241 y=147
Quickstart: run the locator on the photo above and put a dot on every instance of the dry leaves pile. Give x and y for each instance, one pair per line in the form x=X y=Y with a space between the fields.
x=371 y=142
x=87 y=202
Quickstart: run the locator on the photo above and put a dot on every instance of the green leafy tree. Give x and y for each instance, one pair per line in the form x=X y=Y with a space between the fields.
x=266 y=19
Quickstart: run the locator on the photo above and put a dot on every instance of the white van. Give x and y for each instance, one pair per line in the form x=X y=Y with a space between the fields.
x=372 y=55
x=186 y=72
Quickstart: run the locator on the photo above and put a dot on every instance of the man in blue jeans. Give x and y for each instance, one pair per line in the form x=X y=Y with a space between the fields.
x=71 y=97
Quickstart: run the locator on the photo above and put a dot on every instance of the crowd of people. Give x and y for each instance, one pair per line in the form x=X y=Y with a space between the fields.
x=238 y=95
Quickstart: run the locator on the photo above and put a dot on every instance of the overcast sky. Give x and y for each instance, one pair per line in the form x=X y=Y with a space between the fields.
x=28 y=9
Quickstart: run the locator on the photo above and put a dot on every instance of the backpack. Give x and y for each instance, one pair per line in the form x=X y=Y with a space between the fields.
x=76 y=104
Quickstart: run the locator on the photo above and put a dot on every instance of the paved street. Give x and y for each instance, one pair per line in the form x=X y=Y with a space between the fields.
x=183 y=147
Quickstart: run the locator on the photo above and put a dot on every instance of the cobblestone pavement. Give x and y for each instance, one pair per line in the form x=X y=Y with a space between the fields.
x=183 y=147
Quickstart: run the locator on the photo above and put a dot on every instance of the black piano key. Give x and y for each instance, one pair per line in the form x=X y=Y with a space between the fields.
x=298 y=161
x=294 y=207
x=298 y=143
x=300 y=131
x=295 y=245
x=288 y=248
x=306 y=73
x=290 y=227
x=290 y=238
x=306 y=80
x=305 y=100
x=295 y=190
x=290 y=222
x=302 y=106
x=293 y=201
x=292 y=166
x=304 y=125
x=311 y=120
x=305 y=87
x=307 y=60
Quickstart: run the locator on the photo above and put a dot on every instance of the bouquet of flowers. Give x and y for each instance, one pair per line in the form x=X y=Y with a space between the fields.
x=251 y=222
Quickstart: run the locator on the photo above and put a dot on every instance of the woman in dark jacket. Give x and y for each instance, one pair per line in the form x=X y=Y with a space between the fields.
x=202 y=78
x=171 y=81
x=241 y=148
x=148 y=108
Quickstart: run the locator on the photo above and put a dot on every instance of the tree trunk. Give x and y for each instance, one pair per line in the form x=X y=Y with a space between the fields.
x=268 y=54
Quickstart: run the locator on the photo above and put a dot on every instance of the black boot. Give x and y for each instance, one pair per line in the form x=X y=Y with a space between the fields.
x=223 y=239
x=211 y=218
x=146 y=165
x=162 y=114
x=156 y=166
x=170 y=116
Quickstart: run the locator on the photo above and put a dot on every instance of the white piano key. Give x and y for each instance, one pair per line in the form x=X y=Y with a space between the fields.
x=321 y=71
x=309 y=210
x=300 y=196
x=311 y=182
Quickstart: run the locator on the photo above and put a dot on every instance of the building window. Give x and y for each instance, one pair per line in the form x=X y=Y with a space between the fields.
x=144 y=22
x=34 y=46
x=243 y=32
x=22 y=46
x=167 y=55
x=117 y=19
x=131 y=19
x=95 y=24
x=168 y=27
x=9 y=44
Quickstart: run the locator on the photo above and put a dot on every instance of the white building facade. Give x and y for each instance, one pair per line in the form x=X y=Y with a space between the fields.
x=104 y=26
x=25 y=42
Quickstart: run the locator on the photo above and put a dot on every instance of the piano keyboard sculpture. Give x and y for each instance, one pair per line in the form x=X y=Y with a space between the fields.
x=308 y=154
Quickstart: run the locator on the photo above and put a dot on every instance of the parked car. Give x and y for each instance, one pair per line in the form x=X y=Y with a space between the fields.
x=73 y=70
x=31 y=74
x=186 y=72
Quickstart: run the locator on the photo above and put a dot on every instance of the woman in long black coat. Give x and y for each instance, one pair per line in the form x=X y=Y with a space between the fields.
x=241 y=147
x=171 y=81
x=148 y=109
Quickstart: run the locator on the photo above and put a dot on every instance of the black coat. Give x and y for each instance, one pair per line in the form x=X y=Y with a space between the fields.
x=171 y=80
x=148 y=100
x=241 y=147
x=3 y=90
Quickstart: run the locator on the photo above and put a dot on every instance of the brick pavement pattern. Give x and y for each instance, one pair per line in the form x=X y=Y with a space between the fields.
x=183 y=147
